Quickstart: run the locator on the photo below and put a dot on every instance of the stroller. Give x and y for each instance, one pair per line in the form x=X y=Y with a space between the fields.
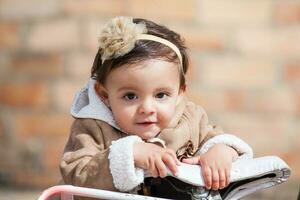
x=247 y=176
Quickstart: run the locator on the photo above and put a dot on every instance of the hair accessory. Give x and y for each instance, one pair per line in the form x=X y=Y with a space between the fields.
x=119 y=36
x=163 y=41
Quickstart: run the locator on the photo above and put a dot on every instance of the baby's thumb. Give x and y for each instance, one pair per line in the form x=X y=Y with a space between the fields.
x=192 y=160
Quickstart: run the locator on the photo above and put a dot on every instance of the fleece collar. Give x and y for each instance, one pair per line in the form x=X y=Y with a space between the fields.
x=87 y=104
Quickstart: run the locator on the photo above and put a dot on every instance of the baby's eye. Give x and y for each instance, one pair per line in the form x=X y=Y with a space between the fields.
x=161 y=95
x=130 y=96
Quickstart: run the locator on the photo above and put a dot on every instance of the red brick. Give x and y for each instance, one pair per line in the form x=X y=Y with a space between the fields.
x=287 y=12
x=94 y=7
x=203 y=40
x=45 y=125
x=38 y=65
x=271 y=43
x=29 y=9
x=53 y=152
x=1 y=130
x=32 y=179
x=9 y=36
x=78 y=65
x=212 y=101
x=292 y=73
x=235 y=100
x=92 y=28
x=55 y=35
x=232 y=12
x=267 y=134
x=64 y=92
x=219 y=101
x=229 y=72
x=280 y=101
x=24 y=94
x=297 y=96
x=5 y=65
x=163 y=10
x=192 y=72
x=296 y=141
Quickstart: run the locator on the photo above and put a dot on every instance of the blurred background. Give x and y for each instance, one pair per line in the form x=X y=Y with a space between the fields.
x=245 y=70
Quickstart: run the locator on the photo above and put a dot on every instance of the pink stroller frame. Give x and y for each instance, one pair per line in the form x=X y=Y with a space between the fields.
x=247 y=176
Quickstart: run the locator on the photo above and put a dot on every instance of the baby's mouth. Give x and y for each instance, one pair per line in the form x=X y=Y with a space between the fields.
x=146 y=123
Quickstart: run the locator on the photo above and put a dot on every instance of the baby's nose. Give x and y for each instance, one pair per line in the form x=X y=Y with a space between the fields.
x=147 y=107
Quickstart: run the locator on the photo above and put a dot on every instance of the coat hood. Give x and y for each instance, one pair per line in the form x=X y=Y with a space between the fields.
x=87 y=104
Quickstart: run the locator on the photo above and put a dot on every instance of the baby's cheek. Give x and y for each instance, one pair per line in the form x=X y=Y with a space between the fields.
x=123 y=118
x=166 y=116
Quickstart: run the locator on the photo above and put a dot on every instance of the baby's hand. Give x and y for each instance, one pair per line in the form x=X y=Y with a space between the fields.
x=216 y=165
x=155 y=159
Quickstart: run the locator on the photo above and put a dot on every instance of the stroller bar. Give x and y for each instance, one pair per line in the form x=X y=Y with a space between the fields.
x=247 y=176
x=68 y=191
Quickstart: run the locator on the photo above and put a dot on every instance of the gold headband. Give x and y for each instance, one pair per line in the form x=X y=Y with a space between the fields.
x=163 y=41
x=119 y=36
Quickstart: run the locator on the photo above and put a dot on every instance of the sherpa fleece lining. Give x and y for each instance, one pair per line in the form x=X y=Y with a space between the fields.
x=125 y=175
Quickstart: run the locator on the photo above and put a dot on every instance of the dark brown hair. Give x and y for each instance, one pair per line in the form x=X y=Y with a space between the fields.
x=144 y=50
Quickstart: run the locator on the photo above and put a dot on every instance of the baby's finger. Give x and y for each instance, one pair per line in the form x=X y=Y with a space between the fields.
x=193 y=160
x=227 y=174
x=222 y=179
x=161 y=168
x=153 y=170
x=173 y=154
x=206 y=174
x=171 y=164
x=215 y=179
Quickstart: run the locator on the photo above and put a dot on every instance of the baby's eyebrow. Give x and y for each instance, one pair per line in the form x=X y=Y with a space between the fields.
x=126 y=88
x=164 y=89
x=130 y=88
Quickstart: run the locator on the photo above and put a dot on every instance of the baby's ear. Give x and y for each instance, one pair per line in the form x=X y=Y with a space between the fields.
x=101 y=92
x=182 y=90
x=181 y=94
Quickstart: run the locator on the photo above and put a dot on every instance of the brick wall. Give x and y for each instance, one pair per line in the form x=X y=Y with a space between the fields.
x=245 y=70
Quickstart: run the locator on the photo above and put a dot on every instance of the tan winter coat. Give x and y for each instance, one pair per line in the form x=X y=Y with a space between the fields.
x=98 y=155
x=85 y=160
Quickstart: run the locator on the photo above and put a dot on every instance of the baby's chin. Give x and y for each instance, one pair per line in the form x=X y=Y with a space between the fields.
x=147 y=135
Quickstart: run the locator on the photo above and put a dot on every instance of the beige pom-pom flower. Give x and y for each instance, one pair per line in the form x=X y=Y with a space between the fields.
x=118 y=37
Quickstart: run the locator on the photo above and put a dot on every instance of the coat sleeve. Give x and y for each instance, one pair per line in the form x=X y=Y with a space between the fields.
x=92 y=159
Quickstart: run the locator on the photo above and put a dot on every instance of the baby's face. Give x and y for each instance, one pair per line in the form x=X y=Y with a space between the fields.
x=143 y=96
